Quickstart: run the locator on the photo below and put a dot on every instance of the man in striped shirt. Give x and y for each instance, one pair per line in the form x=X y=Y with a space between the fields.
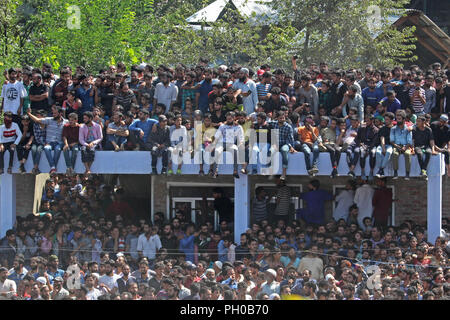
x=263 y=87
x=53 y=139
x=417 y=97
x=10 y=136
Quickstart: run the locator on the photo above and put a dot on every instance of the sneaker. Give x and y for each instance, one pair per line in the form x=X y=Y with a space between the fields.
x=407 y=176
x=236 y=175
x=333 y=173
x=211 y=172
x=22 y=168
x=380 y=173
x=170 y=172
x=178 y=171
x=154 y=172
x=244 y=171
x=423 y=173
x=201 y=173
x=282 y=178
x=395 y=175
x=215 y=174
x=351 y=174
x=164 y=171
x=310 y=172
x=314 y=169
x=37 y=171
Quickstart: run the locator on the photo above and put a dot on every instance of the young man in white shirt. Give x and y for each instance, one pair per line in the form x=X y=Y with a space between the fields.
x=10 y=136
x=13 y=94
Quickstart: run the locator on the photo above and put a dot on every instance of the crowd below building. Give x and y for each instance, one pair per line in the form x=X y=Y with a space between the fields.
x=87 y=242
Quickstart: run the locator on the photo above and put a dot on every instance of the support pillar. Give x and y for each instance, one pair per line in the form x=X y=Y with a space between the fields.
x=7 y=202
x=434 y=197
x=241 y=206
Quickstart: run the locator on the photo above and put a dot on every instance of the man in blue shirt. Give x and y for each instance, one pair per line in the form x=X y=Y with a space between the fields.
x=390 y=102
x=86 y=93
x=187 y=242
x=401 y=140
x=315 y=199
x=140 y=129
x=203 y=89
x=372 y=95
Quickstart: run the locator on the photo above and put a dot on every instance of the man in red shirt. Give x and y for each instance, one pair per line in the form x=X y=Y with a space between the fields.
x=382 y=203
x=70 y=136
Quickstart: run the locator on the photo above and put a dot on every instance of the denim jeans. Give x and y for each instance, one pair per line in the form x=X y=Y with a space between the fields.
x=260 y=153
x=382 y=160
x=284 y=155
x=306 y=149
x=71 y=158
x=56 y=147
x=119 y=140
x=36 y=150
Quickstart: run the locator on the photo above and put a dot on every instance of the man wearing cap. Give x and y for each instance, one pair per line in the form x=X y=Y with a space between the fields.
x=247 y=88
x=270 y=286
x=441 y=134
x=58 y=292
x=53 y=270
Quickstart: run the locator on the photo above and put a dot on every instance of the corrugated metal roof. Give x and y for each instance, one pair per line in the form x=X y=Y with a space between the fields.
x=246 y=8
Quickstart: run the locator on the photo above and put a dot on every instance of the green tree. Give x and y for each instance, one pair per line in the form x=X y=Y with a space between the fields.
x=348 y=33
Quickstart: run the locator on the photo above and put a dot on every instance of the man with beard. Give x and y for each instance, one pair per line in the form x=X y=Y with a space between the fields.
x=8 y=287
x=58 y=292
x=313 y=263
x=90 y=137
x=169 y=240
x=353 y=99
x=384 y=150
x=93 y=292
x=286 y=140
x=423 y=144
x=166 y=92
x=13 y=94
x=19 y=271
x=247 y=88
x=149 y=243
x=122 y=283
x=365 y=140
x=371 y=94
x=401 y=140
x=107 y=281
x=347 y=139
x=328 y=143
x=140 y=130
x=53 y=135
x=10 y=136
x=38 y=94
x=441 y=134
x=308 y=135
x=159 y=143
x=53 y=270
x=229 y=137
x=71 y=133
x=61 y=87
x=261 y=142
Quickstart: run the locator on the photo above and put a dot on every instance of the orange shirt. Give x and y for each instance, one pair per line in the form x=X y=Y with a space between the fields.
x=305 y=135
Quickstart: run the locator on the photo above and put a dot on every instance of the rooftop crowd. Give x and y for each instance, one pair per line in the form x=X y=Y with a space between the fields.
x=88 y=225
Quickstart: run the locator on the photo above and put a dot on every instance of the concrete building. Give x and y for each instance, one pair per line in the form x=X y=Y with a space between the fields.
x=416 y=199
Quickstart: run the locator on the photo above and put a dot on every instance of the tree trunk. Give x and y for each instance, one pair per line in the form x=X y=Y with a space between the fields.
x=305 y=48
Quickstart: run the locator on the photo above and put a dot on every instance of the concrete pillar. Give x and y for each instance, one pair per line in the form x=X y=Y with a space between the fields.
x=7 y=202
x=241 y=206
x=434 y=197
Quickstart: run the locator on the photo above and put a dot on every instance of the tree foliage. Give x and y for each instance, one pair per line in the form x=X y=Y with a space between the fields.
x=156 y=31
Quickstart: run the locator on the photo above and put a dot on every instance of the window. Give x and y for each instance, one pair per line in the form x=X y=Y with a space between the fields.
x=338 y=188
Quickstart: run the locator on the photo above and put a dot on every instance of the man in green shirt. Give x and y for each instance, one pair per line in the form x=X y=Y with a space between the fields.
x=327 y=143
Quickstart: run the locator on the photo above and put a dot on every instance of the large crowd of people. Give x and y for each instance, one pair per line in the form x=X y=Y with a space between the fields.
x=87 y=241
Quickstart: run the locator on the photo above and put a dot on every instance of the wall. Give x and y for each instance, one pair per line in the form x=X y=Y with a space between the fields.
x=25 y=186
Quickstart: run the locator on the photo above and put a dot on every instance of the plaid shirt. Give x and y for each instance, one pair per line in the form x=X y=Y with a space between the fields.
x=285 y=133
x=39 y=134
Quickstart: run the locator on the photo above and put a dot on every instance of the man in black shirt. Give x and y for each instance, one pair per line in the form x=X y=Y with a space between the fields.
x=38 y=94
x=260 y=140
x=423 y=144
x=275 y=102
x=366 y=140
x=441 y=134
x=384 y=149
x=223 y=205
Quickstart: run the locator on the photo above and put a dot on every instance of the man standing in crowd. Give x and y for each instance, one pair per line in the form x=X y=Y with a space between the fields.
x=247 y=88
x=13 y=94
